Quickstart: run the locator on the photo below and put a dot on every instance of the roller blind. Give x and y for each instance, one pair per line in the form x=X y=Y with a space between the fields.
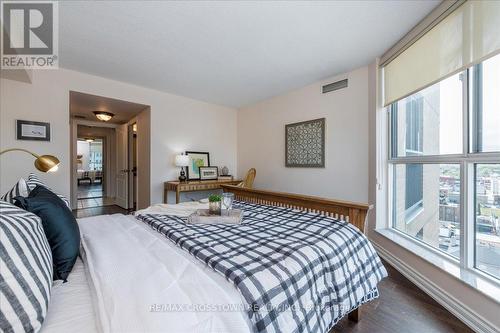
x=468 y=35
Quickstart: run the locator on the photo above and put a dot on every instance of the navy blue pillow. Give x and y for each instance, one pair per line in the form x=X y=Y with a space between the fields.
x=59 y=226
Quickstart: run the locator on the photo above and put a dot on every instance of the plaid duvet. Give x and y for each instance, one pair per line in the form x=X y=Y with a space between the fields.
x=296 y=271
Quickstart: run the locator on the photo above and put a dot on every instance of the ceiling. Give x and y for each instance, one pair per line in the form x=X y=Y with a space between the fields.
x=81 y=106
x=232 y=53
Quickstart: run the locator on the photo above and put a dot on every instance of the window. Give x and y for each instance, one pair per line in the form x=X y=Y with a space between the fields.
x=485 y=103
x=445 y=189
x=414 y=125
x=414 y=145
x=414 y=186
x=487 y=213
x=430 y=121
x=436 y=219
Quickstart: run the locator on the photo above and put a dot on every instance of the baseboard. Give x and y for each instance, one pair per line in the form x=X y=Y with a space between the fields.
x=468 y=316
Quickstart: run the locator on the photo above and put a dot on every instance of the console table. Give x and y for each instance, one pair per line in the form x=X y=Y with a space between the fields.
x=193 y=186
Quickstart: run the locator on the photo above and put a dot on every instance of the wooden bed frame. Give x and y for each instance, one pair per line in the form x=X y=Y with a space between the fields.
x=351 y=212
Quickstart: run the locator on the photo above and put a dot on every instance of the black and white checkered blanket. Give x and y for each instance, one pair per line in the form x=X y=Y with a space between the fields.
x=297 y=271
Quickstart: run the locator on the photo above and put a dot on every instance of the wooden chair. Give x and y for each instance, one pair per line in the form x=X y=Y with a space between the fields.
x=98 y=176
x=249 y=178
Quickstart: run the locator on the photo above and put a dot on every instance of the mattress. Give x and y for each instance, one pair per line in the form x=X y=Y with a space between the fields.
x=142 y=282
x=70 y=308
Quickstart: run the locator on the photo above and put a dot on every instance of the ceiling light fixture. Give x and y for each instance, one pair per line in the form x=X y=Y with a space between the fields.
x=89 y=139
x=103 y=115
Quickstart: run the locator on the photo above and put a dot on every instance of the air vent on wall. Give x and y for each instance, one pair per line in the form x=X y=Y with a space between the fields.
x=77 y=116
x=335 y=86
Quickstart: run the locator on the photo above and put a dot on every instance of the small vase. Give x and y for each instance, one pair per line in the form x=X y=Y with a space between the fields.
x=214 y=208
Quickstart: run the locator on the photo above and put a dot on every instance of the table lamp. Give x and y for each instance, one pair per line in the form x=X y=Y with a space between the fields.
x=182 y=161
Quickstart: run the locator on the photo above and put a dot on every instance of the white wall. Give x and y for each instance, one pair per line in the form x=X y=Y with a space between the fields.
x=261 y=139
x=177 y=124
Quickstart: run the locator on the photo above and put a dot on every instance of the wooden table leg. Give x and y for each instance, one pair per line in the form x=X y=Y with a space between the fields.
x=177 y=196
x=355 y=315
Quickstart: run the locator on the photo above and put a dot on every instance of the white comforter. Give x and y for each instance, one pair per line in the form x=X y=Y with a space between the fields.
x=144 y=283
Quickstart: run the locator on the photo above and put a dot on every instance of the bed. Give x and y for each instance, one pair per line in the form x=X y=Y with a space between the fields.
x=133 y=278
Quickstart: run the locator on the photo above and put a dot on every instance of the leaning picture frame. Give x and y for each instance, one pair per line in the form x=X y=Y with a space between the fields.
x=197 y=159
x=32 y=130
x=209 y=173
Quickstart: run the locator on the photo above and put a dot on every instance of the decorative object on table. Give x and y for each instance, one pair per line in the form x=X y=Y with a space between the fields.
x=209 y=173
x=227 y=202
x=203 y=216
x=305 y=144
x=224 y=171
x=44 y=163
x=249 y=179
x=182 y=161
x=196 y=160
x=103 y=115
x=193 y=186
x=32 y=130
x=214 y=204
x=228 y=177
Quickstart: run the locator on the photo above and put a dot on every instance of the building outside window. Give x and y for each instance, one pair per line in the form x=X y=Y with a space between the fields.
x=444 y=165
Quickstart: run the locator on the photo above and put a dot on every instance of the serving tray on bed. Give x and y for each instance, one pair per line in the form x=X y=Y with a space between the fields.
x=202 y=216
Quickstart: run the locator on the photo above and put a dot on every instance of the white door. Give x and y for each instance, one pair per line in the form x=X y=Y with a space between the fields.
x=122 y=166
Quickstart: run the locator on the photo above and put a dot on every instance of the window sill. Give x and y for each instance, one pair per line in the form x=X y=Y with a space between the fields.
x=473 y=278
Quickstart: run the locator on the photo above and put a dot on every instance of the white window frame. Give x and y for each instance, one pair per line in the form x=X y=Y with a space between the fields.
x=467 y=161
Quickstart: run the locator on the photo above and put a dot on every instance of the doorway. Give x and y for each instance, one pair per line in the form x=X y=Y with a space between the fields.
x=92 y=173
x=111 y=159
x=132 y=163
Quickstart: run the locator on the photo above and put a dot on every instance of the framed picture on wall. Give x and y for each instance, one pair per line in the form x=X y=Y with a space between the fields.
x=305 y=144
x=32 y=130
x=197 y=159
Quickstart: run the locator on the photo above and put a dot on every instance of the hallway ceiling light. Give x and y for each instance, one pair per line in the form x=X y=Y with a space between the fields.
x=89 y=139
x=103 y=115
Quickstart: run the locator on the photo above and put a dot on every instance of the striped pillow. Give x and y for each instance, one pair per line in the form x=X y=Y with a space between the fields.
x=25 y=270
x=21 y=188
x=33 y=181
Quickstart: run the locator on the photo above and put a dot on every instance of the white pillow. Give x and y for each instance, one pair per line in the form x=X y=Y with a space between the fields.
x=20 y=189
x=25 y=270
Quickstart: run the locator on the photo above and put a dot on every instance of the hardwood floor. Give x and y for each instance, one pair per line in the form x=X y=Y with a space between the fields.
x=402 y=308
x=92 y=195
x=87 y=212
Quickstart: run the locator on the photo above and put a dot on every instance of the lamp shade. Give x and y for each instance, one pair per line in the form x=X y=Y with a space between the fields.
x=47 y=163
x=181 y=160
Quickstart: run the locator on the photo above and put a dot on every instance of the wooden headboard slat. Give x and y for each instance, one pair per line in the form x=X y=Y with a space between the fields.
x=351 y=212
